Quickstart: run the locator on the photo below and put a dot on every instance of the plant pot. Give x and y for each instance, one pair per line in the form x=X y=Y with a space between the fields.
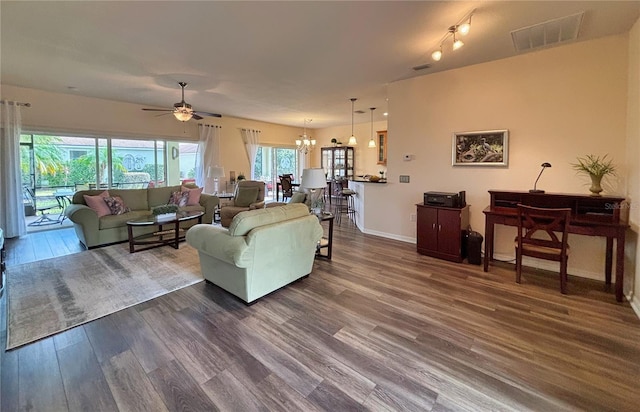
x=595 y=188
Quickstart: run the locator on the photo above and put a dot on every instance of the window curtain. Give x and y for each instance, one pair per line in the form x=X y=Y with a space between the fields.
x=208 y=154
x=251 y=139
x=11 y=206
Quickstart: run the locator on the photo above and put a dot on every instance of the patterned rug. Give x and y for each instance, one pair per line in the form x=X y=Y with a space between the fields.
x=50 y=296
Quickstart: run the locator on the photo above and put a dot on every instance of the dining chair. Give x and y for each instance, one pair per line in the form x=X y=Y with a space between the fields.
x=542 y=234
x=287 y=187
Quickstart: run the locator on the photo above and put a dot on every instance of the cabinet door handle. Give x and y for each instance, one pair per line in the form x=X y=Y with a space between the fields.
x=433 y=226
x=439 y=228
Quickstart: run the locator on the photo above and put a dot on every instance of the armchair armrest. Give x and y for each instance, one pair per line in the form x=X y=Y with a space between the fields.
x=82 y=215
x=209 y=202
x=257 y=205
x=216 y=242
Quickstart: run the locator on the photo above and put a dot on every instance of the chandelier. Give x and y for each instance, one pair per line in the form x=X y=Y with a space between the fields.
x=305 y=144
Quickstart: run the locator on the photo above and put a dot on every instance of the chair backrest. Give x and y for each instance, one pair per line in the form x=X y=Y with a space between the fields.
x=285 y=181
x=251 y=183
x=541 y=226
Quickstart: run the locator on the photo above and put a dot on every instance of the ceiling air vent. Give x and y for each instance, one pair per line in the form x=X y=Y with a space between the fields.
x=548 y=33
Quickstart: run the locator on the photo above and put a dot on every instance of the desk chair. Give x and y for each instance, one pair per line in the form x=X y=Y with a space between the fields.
x=550 y=243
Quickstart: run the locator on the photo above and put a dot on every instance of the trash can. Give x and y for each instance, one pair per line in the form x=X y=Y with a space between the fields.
x=474 y=248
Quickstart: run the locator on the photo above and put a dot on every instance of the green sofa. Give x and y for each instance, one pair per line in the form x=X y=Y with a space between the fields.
x=93 y=231
x=262 y=251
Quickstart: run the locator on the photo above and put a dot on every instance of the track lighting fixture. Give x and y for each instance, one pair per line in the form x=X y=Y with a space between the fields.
x=461 y=28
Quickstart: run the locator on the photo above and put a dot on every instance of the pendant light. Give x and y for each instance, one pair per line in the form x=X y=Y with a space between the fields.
x=352 y=139
x=372 y=142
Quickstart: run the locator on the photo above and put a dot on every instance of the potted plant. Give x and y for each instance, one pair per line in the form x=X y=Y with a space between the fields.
x=596 y=168
x=165 y=212
x=240 y=176
x=334 y=141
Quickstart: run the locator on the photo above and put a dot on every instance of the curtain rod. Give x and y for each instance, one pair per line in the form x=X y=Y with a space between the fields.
x=18 y=103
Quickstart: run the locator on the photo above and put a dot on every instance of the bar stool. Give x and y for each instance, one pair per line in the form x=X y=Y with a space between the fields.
x=344 y=203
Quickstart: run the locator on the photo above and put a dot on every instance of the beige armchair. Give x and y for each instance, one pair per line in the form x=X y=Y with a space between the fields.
x=249 y=195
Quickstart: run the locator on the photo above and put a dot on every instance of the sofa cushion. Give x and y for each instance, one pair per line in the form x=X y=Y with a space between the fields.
x=97 y=203
x=246 y=221
x=112 y=221
x=194 y=195
x=160 y=195
x=246 y=196
x=135 y=199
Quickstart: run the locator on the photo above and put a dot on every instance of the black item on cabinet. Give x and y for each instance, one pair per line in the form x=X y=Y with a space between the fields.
x=445 y=199
x=440 y=232
x=474 y=248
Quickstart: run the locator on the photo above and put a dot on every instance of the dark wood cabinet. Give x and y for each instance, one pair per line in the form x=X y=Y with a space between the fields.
x=338 y=161
x=441 y=231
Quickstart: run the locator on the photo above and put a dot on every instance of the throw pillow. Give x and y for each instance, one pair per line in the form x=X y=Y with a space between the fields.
x=116 y=205
x=246 y=196
x=179 y=199
x=194 y=195
x=298 y=197
x=97 y=203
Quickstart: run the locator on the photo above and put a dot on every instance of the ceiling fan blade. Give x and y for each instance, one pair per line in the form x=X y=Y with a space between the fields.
x=195 y=116
x=207 y=114
x=158 y=110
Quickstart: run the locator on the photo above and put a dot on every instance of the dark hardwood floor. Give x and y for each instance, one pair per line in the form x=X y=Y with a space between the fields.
x=379 y=327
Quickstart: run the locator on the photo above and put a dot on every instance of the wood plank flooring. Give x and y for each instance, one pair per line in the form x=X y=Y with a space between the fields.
x=378 y=328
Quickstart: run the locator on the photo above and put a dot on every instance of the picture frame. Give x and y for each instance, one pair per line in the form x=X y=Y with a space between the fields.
x=481 y=148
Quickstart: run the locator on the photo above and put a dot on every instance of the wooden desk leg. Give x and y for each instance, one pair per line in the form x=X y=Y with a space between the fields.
x=620 y=264
x=608 y=261
x=488 y=243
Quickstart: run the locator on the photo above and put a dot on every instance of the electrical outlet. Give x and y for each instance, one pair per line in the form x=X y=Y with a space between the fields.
x=404 y=179
x=412 y=217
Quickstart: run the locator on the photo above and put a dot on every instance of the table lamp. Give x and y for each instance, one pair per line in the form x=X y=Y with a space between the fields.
x=535 y=185
x=215 y=172
x=314 y=180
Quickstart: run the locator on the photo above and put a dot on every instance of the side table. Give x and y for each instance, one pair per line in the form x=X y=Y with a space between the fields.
x=325 y=241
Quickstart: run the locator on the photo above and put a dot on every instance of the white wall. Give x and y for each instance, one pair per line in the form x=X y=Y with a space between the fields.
x=557 y=104
x=632 y=272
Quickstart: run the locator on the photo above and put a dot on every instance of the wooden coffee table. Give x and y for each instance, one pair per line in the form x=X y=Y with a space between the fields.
x=171 y=236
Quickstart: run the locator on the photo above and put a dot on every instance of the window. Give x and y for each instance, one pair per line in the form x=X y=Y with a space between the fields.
x=272 y=162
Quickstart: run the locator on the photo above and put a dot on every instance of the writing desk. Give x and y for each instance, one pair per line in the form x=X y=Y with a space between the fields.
x=590 y=216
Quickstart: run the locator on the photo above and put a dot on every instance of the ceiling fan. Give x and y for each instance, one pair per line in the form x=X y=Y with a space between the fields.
x=183 y=111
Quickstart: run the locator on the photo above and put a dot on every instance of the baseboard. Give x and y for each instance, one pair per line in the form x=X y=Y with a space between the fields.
x=406 y=239
x=550 y=266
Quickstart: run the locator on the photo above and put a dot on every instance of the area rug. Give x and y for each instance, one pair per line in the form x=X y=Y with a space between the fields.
x=50 y=296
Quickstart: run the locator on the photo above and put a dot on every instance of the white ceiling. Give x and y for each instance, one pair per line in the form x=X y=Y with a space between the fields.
x=277 y=62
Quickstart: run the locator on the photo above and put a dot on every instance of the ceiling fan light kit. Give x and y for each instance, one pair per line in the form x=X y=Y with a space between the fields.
x=183 y=111
x=461 y=28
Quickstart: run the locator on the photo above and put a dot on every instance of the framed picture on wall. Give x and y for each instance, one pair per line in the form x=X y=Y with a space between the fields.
x=484 y=148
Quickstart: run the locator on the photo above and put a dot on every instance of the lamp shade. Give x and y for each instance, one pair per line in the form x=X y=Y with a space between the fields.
x=313 y=178
x=215 y=171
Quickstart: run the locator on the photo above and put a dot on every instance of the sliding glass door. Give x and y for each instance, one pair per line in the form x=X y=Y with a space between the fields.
x=272 y=162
